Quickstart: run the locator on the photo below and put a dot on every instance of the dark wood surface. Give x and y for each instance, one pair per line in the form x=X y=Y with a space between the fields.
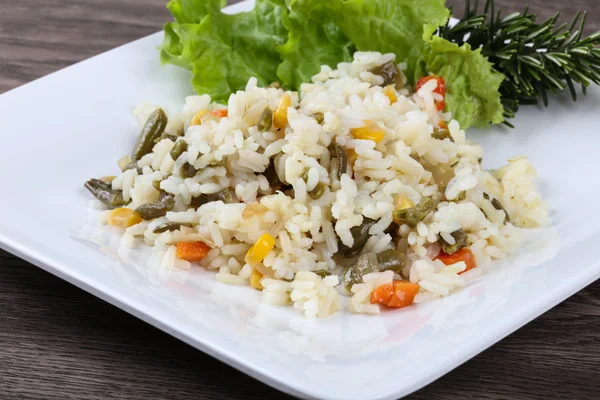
x=58 y=342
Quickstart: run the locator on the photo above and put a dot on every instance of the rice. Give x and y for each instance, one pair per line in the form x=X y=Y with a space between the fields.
x=290 y=185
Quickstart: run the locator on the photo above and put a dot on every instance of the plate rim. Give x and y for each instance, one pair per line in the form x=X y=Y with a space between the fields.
x=61 y=270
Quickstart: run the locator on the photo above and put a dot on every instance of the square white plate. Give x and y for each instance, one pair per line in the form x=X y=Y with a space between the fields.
x=72 y=125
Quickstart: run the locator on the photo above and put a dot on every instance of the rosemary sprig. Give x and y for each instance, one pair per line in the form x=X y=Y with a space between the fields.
x=536 y=58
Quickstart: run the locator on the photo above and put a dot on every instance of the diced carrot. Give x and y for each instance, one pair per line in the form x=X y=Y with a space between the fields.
x=222 y=113
x=382 y=294
x=441 y=84
x=463 y=254
x=404 y=294
x=397 y=294
x=192 y=251
x=440 y=89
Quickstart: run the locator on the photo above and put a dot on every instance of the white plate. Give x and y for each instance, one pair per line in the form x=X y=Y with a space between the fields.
x=69 y=126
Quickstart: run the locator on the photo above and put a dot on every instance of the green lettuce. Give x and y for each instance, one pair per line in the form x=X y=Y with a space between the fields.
x=172 y=48
x=184 y=12
x=313 y=40
x=288 y=41
x=193 y=11
x=472 y=84
x=222 y=50
x=394 y=26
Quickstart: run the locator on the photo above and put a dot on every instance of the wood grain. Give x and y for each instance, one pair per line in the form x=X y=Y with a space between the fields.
x=58 y=342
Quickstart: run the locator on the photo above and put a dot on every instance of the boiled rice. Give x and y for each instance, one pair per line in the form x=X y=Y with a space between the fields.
x=408 y=161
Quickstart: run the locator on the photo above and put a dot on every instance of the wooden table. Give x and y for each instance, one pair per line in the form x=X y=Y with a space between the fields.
x=58 y=342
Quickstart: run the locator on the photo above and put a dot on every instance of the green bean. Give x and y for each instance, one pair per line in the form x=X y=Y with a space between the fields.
x=322 y=273
x=342 y=160
x=199 y=201
x=391 y=260
x=133 y=165
x=412 y=216
x=460 y=241
x=388 y=260
x=222 y=163
x=365 y=264
x=390 y=74
x=441 y=134
x=178 y=149
x=158 y=208
x=187 y=170
x=265 y=121
x=104 y=192
x=360 y=234
x=318 y=191
x=319 y=117
x=271 y=175
x=305 y=175
x=497 y=205
x=153 y=128
x=169 y=226
x=164 y=136
x=223 y=195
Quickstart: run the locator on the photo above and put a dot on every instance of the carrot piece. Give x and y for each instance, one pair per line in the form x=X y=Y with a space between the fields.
x=404 y=294
x=463 y=254
x=441 y=84
x=382 y=294
x=397 y=294
x=440 y=89
x=222 y=113
x=192 y=251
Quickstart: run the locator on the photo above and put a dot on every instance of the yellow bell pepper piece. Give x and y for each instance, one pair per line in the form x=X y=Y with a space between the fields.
x=254 y=209
x=371 y=131
x=108 y=179
x=280 y=118
x=390 y=92
x=197 y=119
x=124 y=218
x=352 y=156
x=260 y=249
x=255 y=280
x=402 y=202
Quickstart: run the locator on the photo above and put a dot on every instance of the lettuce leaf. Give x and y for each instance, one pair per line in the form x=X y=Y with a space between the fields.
x=193 y=11
x=472 y=84
x=289 y=40
x=389 y=26
x=313 y=40
x=184 y=12
x=171 y=48
x=224 y=51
